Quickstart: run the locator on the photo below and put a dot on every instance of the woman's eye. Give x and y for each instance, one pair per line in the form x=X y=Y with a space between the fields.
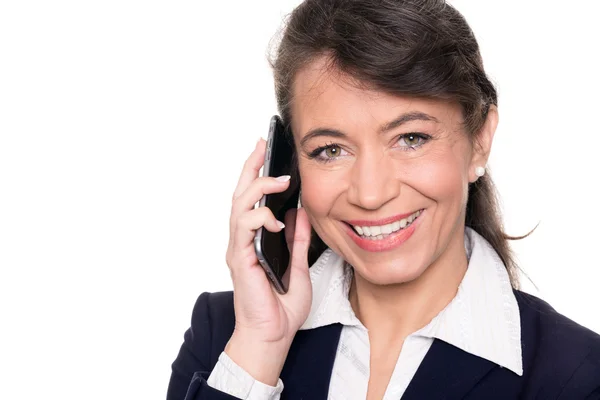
x=326 y=153
x=332 y=151
x=412 y=140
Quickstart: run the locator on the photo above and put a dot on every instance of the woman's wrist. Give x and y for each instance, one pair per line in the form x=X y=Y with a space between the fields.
x=262 y=360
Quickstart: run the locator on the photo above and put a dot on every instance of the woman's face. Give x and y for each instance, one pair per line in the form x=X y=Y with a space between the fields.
x=370 y=162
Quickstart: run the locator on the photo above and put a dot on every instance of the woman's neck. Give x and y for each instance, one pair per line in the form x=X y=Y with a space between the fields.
x=393 y=312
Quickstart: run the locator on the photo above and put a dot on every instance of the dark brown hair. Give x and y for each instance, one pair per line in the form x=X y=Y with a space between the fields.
x=419 y=48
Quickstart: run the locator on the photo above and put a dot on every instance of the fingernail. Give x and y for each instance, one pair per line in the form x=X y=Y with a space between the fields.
x=258 y=142
x=280 y=224
x=283 y=178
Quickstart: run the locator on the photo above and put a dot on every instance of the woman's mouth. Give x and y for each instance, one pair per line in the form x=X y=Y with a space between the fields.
x=383 y=231
x=384 y=237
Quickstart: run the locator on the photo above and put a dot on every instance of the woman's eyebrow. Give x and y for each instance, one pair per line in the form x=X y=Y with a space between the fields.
x=402 y=119
x=407 y=117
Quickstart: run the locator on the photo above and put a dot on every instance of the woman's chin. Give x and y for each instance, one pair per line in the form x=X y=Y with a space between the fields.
x=384 y=275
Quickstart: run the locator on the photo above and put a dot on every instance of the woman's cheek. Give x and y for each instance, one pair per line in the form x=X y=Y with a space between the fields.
x=314 y=199
x=440 y=179
x=320 y=188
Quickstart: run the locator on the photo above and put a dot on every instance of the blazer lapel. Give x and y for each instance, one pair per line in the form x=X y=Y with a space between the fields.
x=446 y=372
x=308 y=366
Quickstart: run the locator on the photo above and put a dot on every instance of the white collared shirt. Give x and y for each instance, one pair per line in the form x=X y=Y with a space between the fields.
x=483 y=319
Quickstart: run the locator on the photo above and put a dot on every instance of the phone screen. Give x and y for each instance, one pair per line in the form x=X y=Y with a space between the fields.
x=271 y=248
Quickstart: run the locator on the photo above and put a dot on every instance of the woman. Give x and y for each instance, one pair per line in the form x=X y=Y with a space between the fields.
x=414 y=294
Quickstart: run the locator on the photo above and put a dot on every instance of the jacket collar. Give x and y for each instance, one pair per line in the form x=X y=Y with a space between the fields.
x=446 y=372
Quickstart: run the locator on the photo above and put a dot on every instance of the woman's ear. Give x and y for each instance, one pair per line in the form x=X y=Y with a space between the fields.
x=482 y=144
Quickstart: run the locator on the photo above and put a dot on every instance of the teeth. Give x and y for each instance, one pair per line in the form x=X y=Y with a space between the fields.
x=387 y=229
x=378 y=232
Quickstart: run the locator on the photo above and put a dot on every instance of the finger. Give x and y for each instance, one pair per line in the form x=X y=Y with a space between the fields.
x=249 y=222
x=251 y=168
x=299 y=256
x=256 y=190
x=290 y=227
x=286 y=277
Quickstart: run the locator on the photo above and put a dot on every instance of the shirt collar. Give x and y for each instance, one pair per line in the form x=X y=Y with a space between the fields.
x=483 y=318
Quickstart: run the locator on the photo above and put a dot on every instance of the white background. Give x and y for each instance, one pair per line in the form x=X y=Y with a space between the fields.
x=123 y=128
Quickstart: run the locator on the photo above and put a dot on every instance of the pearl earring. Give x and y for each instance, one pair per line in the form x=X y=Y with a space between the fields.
x=480 y=171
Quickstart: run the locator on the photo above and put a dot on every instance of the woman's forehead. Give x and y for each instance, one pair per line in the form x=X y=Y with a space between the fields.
x=325 y=96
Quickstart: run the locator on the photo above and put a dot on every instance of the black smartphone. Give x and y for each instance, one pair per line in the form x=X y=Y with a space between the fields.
x=271 y=248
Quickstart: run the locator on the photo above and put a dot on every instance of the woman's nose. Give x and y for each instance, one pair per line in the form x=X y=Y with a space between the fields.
x=373 y=182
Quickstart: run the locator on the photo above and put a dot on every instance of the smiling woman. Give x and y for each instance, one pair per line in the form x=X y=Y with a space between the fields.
x=376 y=174
x=412 y=290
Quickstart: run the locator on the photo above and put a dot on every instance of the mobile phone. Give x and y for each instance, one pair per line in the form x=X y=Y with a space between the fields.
x=271 y=248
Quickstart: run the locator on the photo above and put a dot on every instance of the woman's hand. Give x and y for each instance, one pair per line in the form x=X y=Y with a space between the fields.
x=265 y=321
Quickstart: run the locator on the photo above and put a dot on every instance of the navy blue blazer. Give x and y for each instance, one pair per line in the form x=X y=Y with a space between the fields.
x=561 y=360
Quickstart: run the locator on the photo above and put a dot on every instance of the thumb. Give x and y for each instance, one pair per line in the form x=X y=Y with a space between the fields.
x=301 y=243
x=290 y=228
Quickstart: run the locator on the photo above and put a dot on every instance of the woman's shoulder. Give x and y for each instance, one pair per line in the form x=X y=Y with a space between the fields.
x=537 y=313
x=215 y=310
x=212 y=325
x=213 y=321
x=556 y=349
